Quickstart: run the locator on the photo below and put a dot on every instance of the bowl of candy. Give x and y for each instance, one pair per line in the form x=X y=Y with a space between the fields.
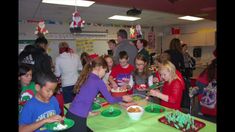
x=118 y=92
x=135 y=112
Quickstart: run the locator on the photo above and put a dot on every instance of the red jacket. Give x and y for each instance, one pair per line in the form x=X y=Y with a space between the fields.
x=174 y=90
x=203 y=77
x=177 y=73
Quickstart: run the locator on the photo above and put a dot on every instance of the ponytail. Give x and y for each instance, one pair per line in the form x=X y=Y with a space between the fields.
x=98 y=61
x=83 y=77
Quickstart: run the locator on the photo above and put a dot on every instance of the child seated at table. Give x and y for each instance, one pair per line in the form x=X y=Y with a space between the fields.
x=120 y=75
x=172 y=89
x=27 y=87
x=43 y=107
x=88 y=85
x=141 y=78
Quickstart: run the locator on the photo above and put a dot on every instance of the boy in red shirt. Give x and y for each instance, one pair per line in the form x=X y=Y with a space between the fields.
x=120 y=75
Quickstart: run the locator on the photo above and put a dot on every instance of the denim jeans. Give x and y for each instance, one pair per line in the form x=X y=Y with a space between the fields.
x=68 y=94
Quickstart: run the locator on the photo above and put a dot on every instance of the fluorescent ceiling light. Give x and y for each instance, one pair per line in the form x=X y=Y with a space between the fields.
x=124 y=18
x=190 y=18
x=83 y=3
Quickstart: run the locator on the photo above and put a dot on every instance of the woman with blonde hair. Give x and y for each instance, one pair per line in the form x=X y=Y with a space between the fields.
x=173 y=87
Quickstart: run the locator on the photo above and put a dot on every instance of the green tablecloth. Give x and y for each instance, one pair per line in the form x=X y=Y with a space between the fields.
x=148 y=122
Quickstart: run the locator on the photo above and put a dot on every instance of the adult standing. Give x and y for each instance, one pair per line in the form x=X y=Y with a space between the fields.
x=176 y=56
x=67 y=65
x=189 y=62
x=124 y=45
x=141 y=44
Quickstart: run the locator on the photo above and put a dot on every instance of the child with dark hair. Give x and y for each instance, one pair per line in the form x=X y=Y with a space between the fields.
x=43 y=107
x=27 y=88
x=205 y=77
x=120 y=75
x=88 y=85
x=84 y=57
x=37 y=57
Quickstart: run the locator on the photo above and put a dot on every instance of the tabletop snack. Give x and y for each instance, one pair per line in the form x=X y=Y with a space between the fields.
x=118 y=92
x=135 y=112
x=181 y=121
x=60 y=126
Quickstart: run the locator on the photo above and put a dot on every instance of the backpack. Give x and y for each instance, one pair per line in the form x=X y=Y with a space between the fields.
x=209 y=95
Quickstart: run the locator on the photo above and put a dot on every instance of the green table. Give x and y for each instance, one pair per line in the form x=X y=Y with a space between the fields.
x=148 y=122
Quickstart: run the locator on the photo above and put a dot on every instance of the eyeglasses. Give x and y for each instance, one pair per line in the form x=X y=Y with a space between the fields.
x=139 y=64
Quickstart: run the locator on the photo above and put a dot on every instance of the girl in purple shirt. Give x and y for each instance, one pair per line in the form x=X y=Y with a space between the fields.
x=89 y=84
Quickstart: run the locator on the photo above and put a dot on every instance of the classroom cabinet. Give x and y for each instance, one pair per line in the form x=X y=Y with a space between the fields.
x=194 y=39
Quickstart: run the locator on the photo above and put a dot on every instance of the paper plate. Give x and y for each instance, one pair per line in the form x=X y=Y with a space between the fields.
x=156 y=85
x=95 y=106
x=154 y=109
x=51 y=126
x=107 y=113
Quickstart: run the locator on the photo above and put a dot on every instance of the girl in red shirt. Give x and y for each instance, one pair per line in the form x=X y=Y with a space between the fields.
x=172 y=90
x=159 y=60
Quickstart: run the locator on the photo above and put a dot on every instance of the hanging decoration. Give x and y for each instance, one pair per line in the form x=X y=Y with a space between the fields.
x=139 y=33
x=40 y=29
x=77 y=23
x=132 y=33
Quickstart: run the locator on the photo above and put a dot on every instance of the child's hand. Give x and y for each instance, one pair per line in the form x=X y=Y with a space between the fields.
x=94 y=113
x=126 y=80
x=154 y=92
x=155 y=80
x=54 y=118
x=123 y=88
x=127 y=98
x=115 y=86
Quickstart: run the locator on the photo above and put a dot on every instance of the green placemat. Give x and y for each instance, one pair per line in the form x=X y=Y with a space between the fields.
x=108 y=113
x=96 y=106
x=154 y=109
x=51 y=126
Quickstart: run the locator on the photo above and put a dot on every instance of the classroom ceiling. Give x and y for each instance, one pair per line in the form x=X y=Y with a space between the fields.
x=154 y=12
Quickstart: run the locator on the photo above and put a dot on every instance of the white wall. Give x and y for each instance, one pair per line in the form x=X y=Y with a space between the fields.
x=207 y=51
x=26 y=32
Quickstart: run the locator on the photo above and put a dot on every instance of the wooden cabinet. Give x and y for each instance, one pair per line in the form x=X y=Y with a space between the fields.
x=199 y=39
x=192 y=39
x=210 y=38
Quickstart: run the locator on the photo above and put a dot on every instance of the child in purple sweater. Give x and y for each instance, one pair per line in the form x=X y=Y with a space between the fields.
x=89 y=84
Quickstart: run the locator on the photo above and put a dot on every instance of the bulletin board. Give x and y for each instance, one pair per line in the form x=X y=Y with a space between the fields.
x=79 y=45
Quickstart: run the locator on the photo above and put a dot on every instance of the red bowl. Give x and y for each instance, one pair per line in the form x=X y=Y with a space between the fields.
x=118 y=94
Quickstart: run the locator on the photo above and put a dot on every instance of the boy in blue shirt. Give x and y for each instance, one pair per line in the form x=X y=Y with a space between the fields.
x=43 y=108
